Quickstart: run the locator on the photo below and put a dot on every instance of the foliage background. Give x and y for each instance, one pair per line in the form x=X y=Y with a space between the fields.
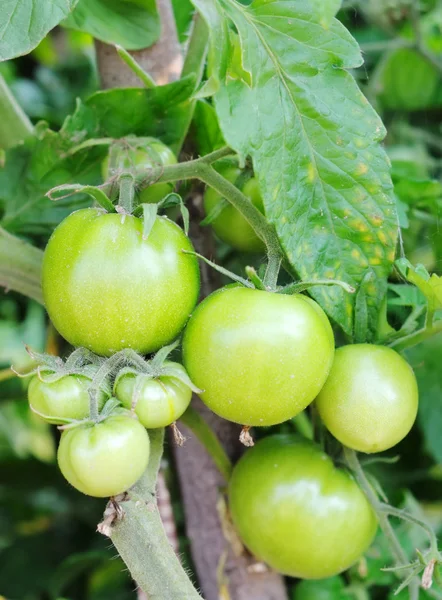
x=48 y=546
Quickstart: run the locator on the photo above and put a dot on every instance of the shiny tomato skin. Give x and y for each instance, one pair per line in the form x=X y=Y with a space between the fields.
x=370 y=399
x=104 y=459
x=105 y=288
x=296 y=511
x=161 y=401
x=230 y=226
x=67 y=398
x=154 y=154
x=260 y=357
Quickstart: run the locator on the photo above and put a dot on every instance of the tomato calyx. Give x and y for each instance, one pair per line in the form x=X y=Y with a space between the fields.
x=156 y=368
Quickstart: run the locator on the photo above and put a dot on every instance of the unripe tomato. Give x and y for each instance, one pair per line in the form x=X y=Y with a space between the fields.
x=153 y=154
x=67 y=398
x=160 y=402
x=260 y=357
x=106 y=288
x=230 y=226
x=104 y=459
x=296 y=511
x=370 y=399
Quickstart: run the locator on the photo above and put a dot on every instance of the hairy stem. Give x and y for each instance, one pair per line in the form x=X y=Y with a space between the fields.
x=141 y=540
x=20 y=266
x=379 y=508
x=15 y=127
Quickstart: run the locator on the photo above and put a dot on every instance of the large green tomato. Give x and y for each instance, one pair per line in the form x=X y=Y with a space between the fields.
x=66 y=398
x=370 y=400
x=296 y=511
x=230 y=226
x=260 y=357
x=106 y=288
x=104 y=459
x=160 y=401
x=152 y=154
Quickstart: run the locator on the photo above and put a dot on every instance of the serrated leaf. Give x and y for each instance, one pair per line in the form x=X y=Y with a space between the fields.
x=314 y=140
x=133 y=24
x=24 y=23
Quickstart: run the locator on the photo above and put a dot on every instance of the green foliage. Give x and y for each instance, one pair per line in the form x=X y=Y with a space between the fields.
x=326 y=186
x=24 y=23
x=133 y=24
x=425 y=359
x=326 y=589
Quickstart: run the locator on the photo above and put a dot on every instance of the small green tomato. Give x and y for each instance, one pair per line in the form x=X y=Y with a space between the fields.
x=160 y=401
x=104 y=459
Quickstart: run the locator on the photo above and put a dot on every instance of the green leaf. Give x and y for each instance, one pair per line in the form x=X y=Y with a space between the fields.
x=421 y=192
x=24 y=23
x=425 y=360
x=208 y=135
x=133 y=24
x=314 y=140
x=158 y=112
x=406 y=295
x=325 y=10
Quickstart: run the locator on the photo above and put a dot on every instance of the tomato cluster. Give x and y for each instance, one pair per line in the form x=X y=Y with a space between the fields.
x=259 y=357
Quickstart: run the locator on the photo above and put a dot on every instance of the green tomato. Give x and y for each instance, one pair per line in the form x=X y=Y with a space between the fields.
x=230 y=226
x=106 y=288
x=160 y=401
x=296 y=511
x=104 y=459
x=260 y=357
x=66 y=398
x=153 y=154
x=370 y=400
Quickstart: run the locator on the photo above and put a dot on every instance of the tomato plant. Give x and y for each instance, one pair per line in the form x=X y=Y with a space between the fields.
x=260 y=358
x=158 y=402
x=229 y=225
x=104 y=459
x=66 y=398
x=258 y=117
x=296 y=511
x=370 y=399
x=106 y=288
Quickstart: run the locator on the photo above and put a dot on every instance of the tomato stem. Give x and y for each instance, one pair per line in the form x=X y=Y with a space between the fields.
x=20 y=266
x=401 y=558
x=141 y=540
x=417 y=337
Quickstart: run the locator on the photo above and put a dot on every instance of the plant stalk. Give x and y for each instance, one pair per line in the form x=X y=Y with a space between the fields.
x=201 y=169
x=379 y=509
x=417 y=337
x=15 y=127
x=20 y=266
x=141 y=541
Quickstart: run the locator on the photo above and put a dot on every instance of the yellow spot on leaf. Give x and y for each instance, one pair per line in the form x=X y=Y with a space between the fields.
x=361 y=169
x=311 y=172
x=374 y=260
x=382 y=237
x=356 y=254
